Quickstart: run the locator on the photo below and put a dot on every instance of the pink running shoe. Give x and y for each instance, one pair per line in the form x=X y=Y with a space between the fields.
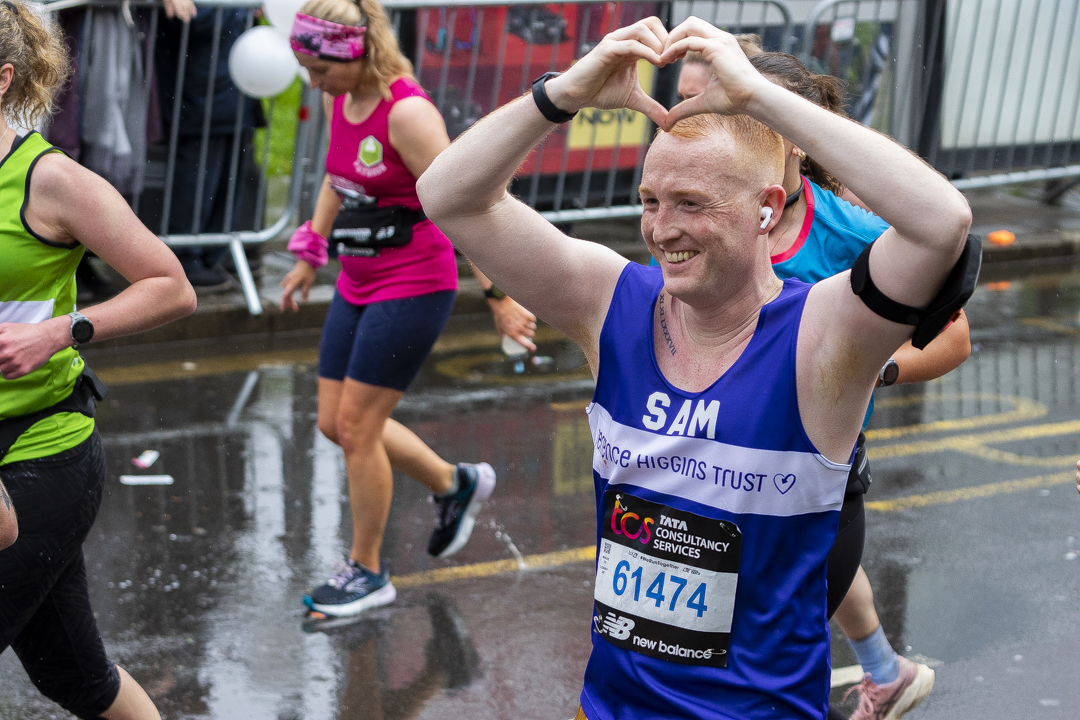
x=891 y=701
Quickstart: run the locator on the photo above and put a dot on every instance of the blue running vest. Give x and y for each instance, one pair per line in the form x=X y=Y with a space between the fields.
x=715 y=517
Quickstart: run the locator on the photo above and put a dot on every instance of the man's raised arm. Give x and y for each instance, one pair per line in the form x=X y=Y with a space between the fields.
x=842 y=342
x=567 y=283
x=929 y=217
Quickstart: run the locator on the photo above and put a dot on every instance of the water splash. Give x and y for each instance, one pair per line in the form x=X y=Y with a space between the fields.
x=501 y=534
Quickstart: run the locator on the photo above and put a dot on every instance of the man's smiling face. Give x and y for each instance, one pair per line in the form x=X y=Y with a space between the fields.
x=701 y=216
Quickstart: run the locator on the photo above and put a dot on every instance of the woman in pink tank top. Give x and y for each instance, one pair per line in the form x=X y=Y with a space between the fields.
x=393 y=297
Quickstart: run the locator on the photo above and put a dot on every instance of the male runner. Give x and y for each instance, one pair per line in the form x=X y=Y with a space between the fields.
x=819 y=235
x=727 y=401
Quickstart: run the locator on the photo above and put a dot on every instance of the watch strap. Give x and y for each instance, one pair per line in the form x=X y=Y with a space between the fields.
x=544 y=104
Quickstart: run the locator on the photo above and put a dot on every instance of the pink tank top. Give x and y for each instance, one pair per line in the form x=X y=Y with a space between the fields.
x=361 y=159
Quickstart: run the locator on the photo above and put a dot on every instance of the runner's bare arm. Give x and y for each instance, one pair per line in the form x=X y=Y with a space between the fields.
x=327 y=205
x=9 y=524
x=842 y=343
x=567 y=282
x=929 y=218
x=67 y=204
x=944 y=354
x=418 y=134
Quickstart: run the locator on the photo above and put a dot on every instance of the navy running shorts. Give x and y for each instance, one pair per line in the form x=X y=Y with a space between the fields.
x=384 y=343
x=45 y=613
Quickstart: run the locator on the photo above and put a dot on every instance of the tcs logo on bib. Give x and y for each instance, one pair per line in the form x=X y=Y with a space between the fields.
x=630 y=524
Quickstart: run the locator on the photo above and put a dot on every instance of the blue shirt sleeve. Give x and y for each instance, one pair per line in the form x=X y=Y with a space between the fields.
x=838 y=233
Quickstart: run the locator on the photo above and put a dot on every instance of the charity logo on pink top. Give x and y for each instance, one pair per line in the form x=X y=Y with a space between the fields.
x=326 y=40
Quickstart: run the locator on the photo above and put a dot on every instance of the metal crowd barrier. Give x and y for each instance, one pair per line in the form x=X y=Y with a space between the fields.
x=474 y=56
x=986 y=90
x=161 y=179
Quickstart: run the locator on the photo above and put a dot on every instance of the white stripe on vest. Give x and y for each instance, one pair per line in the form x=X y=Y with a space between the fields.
x=26 y=311
x=732 y=478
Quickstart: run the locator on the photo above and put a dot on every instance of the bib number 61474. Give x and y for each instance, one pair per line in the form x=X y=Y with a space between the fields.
x=662 y=589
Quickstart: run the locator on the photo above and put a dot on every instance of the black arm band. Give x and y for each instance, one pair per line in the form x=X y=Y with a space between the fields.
x=543 y=102
x=942 y=310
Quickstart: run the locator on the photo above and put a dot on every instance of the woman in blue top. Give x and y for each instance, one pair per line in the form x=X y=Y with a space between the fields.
x=821 y=232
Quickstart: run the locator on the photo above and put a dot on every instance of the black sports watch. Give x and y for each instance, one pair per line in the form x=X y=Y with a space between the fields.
x=547 y=108
x=82 y=330
x=494 y=293
x=889 y=372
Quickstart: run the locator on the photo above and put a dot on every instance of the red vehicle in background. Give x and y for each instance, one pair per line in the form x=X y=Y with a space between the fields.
x=475 y=59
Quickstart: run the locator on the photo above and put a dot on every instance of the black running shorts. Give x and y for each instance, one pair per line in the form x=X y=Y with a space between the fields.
x=45 y=613
x=846 y=554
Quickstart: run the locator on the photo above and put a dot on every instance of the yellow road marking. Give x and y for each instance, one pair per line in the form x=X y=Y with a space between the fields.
x=463 y=367
x=588 y=553
x=154 y=372
x=1009 y=458
x=1052 y=325
x=496 y=567
x=571 y=405
x=1025 y=409
x=944 y=497
x=971 y=443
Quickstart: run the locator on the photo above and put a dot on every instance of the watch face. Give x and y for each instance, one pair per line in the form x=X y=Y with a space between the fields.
x=82 y=330
x=890 y=373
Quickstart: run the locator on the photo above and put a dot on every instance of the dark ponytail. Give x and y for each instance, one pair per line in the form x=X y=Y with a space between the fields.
x=824 y=90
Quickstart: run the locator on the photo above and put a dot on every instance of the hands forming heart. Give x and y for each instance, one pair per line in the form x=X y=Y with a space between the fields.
x=606 y=78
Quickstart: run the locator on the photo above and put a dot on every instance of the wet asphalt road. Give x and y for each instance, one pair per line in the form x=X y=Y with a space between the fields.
x=971 y=540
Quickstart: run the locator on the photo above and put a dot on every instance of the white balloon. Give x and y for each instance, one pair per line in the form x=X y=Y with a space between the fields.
x=261 y=62
x=305 y=75
x=281 y=12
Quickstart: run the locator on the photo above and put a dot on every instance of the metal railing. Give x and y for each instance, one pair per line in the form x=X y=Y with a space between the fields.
x=473 y=57
x=163 y=178
x=986 y=90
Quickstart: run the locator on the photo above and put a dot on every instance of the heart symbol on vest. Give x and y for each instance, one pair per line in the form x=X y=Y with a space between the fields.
x=783 y=483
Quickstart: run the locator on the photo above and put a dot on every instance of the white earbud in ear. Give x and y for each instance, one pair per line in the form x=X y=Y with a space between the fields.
x=766 y=216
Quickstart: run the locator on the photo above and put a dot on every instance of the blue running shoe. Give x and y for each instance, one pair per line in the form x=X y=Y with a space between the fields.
x=456 y=514
x=352 y=589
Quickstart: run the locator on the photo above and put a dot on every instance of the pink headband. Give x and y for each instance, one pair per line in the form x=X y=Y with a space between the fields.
x=326 y=40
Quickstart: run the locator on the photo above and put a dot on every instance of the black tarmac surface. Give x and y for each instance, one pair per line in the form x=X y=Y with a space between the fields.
x=971 y=541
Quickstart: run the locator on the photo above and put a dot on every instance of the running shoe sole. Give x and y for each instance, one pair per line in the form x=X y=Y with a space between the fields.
x=485 y=485
x=914 y=693
x=383 y=596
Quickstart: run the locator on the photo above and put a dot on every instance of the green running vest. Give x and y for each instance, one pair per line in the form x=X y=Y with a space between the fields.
x=37 y=282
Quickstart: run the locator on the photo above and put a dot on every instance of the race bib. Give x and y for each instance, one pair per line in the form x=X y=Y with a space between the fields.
x=665 y=581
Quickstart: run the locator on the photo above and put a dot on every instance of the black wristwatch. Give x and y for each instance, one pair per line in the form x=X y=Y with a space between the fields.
x=544 y=104
x=890 y=371
x=494 y=293
x=82 y=330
